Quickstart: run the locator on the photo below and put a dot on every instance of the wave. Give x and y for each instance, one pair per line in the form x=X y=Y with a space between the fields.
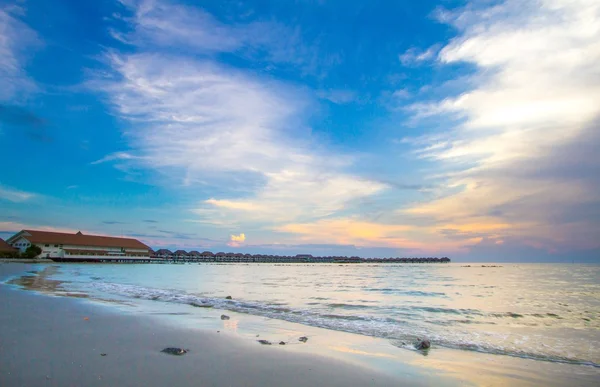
x=401 y=332
x=488 y=349
x=414 y=293
x=349 y=306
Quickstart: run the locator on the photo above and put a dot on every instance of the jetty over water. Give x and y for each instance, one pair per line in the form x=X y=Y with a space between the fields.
x=180 y=256
x=252 y=259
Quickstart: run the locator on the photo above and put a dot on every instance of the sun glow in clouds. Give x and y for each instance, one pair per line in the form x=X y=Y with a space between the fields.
x=237 y=240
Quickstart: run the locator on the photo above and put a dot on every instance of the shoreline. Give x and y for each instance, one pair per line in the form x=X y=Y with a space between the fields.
x=57 y=341
x=331 y=357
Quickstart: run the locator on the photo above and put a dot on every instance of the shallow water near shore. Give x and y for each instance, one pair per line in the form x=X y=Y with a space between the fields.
x=546 y=313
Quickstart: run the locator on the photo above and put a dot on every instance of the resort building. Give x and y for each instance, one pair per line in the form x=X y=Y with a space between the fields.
x=60 y=246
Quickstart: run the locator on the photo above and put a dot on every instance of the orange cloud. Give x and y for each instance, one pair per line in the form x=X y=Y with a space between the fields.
x=236 y=240
x=344 y=230
x=477 y=227
x=363 y=233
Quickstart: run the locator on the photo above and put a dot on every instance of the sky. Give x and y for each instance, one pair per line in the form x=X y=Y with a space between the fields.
x=467 y=129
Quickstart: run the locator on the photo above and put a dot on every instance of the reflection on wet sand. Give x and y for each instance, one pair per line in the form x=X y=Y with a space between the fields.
x=231 y=325
x=346 y=349
x=494 y=370
x=40 y=281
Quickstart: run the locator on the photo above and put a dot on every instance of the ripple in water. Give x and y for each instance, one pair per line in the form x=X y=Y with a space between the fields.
x=400 y=332
x=550 y=314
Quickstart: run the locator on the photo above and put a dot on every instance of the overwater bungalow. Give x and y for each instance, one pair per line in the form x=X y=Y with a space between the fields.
x=164 y=254
x=181 y=254
x=207 y=256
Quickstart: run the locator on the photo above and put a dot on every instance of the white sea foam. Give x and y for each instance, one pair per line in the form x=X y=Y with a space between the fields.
x=402 y=327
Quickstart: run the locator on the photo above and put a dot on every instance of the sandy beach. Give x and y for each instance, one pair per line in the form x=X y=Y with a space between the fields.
x=60 y=341
x=52 y=341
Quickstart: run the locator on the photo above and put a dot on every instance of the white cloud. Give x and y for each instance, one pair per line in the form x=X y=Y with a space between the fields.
x=401 y=94
x=201 y=117
x=414 y=56
x=115 y=156
x=297 y=194
x=170 y=24
x=201 y=123
x=15 y=196
x=336 y=96
x=535 y=91
x=15 y=37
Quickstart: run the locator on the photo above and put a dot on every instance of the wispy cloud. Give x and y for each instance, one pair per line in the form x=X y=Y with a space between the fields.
x=178 y=234
x=15 y=38
x=13 y=227
x=532 y=101
x=296 y=194
x=25 y=121
x=112 y=222
x=338 y=96
x=202 y=123
x=414 y=56
x=16 y=196
x=354 y=231
x=401 y=94
x=171 y=24
x=15 y=115
x=115 y=157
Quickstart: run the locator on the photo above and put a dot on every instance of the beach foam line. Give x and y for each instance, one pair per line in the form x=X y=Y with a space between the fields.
x=401 y=333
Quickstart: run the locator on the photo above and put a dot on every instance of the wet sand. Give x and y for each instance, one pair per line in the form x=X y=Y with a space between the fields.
x=55 y=341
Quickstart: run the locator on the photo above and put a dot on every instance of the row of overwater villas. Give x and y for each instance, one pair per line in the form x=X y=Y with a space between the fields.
x=207 y=256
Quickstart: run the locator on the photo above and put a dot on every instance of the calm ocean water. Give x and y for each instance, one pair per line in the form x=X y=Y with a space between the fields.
x=548 y=312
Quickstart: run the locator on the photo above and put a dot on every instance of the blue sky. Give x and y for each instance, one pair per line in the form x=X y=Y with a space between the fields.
x=381 y=128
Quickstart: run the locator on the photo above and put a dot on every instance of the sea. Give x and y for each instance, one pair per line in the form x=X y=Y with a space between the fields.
x=545 y=312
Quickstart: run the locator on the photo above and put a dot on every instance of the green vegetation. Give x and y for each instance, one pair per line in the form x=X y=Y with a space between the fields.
x=32 y=252
x=9 y=254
